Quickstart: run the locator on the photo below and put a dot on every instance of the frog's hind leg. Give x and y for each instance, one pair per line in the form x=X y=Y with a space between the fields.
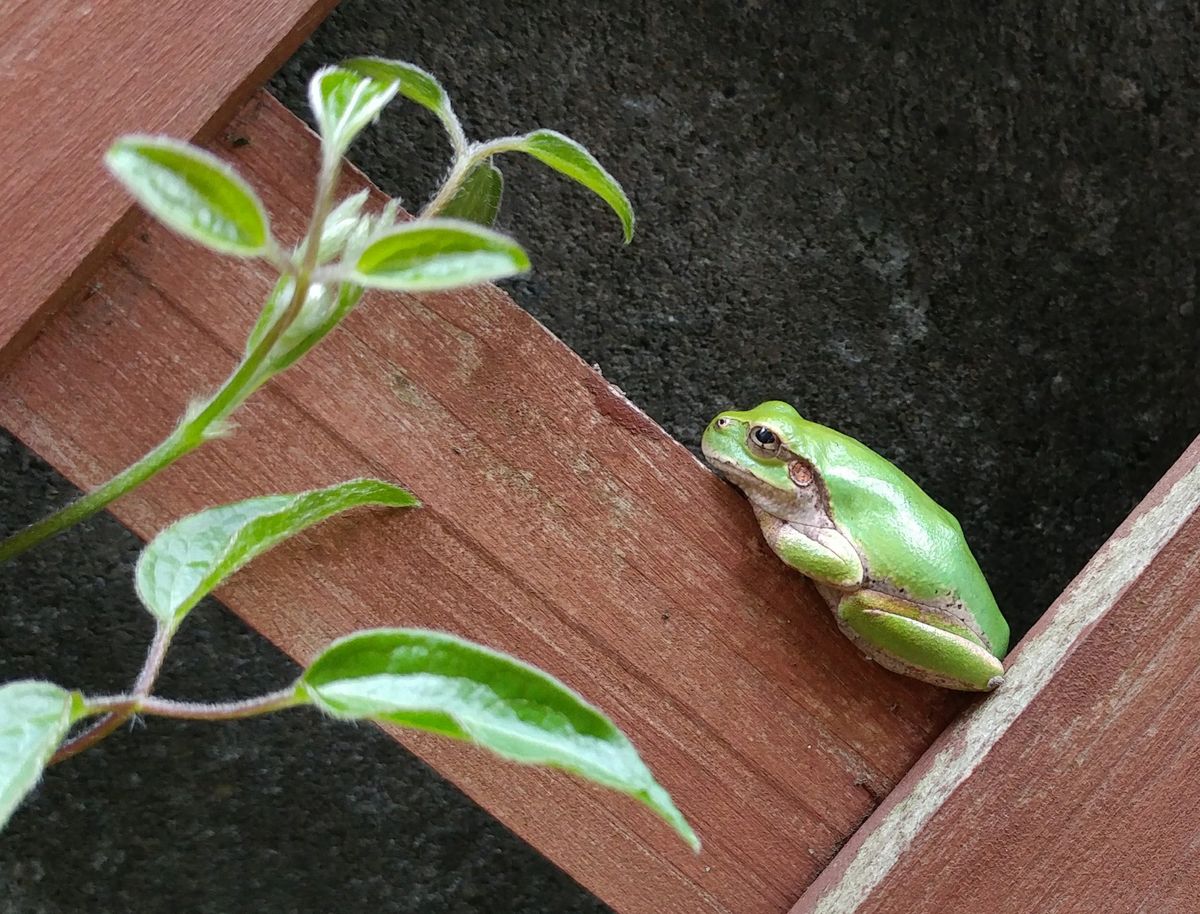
x=917 y=641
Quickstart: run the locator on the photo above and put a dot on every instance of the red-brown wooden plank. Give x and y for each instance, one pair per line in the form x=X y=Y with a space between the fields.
x=1073 y=789
x=73 y=75
x=560 y=523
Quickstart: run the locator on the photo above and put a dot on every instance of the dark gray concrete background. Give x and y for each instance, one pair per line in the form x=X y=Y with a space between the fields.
x=966 y=237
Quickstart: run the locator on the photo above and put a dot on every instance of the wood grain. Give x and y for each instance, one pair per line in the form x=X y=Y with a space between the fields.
x=74 y=75
x=1073 y=789
x=560 y=524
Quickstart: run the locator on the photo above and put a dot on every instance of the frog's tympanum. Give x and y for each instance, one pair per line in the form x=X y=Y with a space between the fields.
x=891 y=562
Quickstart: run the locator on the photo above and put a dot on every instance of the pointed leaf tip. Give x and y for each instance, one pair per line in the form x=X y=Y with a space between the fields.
x=442 y=684
x=572 y=159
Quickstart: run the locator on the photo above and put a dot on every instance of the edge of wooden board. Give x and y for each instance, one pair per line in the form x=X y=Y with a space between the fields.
x=52 y=91
x=555 y=514
x=963 y=750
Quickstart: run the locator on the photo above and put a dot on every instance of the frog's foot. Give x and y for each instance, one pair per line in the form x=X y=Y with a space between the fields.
x=917 y=641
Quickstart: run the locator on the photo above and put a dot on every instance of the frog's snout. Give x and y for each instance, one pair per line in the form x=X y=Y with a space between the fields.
x=708 y=441
x=721 y=424
x=720 y=443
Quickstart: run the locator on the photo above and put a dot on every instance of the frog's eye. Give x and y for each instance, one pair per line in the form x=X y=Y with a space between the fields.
x=765 y=439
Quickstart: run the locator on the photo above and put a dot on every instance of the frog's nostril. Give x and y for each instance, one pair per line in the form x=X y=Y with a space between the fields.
x=722 y=422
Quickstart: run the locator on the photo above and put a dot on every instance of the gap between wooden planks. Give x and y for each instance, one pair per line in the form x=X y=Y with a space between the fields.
x=1072 y=789
x=560 y=523
x=73 y=76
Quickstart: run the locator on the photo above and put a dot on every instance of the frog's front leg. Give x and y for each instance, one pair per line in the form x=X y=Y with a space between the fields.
x=820 y=553
x=914 y=640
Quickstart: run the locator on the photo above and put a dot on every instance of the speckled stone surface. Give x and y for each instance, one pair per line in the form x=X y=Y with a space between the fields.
x=965 y=237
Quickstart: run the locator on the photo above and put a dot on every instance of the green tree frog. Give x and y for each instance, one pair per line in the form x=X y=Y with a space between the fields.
x=891 y=563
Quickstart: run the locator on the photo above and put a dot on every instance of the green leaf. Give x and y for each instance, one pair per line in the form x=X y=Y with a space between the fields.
x=280 y=295
x=478 y=199
x=324 y=307
x=339 y=226
x=194 y=555
x=414 y=83
x=191 y=191
x=344 y=102
x=443 y=684
x=34 y=718
x=438 y=254
x=572 y=159
x=311 y=326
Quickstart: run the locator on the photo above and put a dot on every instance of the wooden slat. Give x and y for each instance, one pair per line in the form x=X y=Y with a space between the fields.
x=73 y=75
x=560 y=524
x=1073 y=789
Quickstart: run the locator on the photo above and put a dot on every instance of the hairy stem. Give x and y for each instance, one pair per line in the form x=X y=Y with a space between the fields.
x=197 y=710
x=116 y=709
x=113 y=718
x=98 y=731
x=321 y=209
x=466 y=158
x=170 y=450
x=464 y=162
x=191 y=433
x=152 y=665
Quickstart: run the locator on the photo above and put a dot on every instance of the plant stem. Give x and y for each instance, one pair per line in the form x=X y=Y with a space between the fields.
x=187 y=437
x=197 y=710
x=321 y=208
x=98 y=731
x=155 y=655
x=465 y=160
x=166 y=453
x=463 y=164
x=104 y=727
x=191 y=433
x=454 y=130
x=119 y=708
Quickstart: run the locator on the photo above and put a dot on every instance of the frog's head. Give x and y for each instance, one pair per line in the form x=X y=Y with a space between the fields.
x=757 y=450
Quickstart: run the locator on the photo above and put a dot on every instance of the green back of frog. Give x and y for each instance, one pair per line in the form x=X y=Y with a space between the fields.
x=908 y=539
